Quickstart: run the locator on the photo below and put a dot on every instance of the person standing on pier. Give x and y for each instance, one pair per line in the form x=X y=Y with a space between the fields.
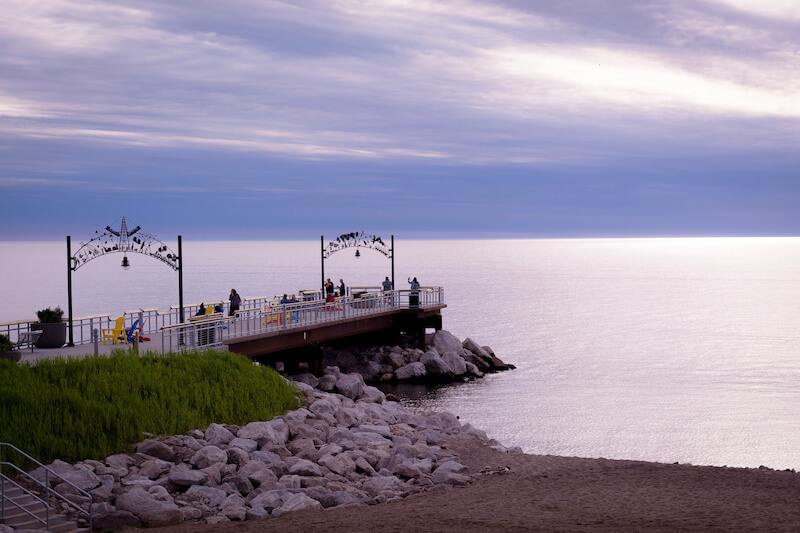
x=413 y=296
x=236 y=301
x=387 y=284
x=342 y=288
x=329 y=290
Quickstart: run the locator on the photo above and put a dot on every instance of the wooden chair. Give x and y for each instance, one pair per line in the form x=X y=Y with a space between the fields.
x=116 y=334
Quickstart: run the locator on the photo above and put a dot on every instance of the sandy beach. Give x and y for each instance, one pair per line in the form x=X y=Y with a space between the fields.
x=547 y=493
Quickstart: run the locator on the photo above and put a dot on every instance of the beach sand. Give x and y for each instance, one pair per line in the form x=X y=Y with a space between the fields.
x=547 y=493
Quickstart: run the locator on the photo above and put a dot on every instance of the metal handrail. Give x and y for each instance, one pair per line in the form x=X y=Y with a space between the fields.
x=45 y=485
x=295 y=315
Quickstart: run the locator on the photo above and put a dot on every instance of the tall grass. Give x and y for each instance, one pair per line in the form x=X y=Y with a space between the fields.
x=74 y=409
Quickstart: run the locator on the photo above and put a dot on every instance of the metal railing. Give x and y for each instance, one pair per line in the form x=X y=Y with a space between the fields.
x=47 y=491
x=213 y=331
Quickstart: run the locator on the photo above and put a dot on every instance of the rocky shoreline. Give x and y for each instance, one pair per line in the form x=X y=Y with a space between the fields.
x=349 y=446
x=446 y=359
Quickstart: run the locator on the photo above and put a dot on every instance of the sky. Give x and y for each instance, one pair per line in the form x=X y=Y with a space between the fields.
x=255 y=119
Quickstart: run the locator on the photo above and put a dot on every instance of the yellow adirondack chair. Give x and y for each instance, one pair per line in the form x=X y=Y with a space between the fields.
x=210 y=309
x=117 y=333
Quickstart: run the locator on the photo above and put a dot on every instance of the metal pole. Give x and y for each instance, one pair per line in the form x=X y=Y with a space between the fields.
x=69 y=290
x=322 y=256
x=393 y=287
x=180 y=275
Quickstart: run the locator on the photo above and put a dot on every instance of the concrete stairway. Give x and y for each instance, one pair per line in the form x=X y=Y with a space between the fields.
x=19 y=519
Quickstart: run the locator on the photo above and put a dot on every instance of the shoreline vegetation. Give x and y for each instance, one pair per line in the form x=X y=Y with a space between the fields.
x=75 y=409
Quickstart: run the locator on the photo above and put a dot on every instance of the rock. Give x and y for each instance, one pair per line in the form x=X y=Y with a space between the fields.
x=332 y=371
x=497 y=364
x=207 y=456
x=457 y=365
x=304 y=467
x=120 y=461
x=369 y=370
x=248 y=445
x=298 y=502
x=191 y=513
x=113 y=519
x=449 y=478
x=308 y=379
x=324 y=496
x=58 y=466
x=154 y=468
x=217 y=434
x=340 y=464
x=259 y=474
x=443 y=341
x=327 y=382
x=434 y=364
x=375 y=485
x=156 y=449
x=256 y=513
x=83 y=479
x=451 y=466
x=237 y=456
x=212 y=495
x=241 y=483
x=475 y=348
x=350 y=385
x=473 y=370
x=372 y=394
x=291 y=482
x=151 y=512
x=261 y=432
x=411 y=371
x=269 y=500
x=183 y=477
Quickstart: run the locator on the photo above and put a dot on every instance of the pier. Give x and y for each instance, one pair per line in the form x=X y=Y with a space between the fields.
x=263 y=329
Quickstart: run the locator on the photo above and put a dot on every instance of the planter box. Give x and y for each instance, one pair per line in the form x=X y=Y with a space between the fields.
x=13 y=355
x=53 y=335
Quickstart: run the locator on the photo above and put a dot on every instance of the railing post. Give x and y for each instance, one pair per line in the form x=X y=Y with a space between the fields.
x=96 y=341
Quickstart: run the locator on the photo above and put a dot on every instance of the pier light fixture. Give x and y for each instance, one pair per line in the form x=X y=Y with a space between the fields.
x=357 y=239
x=111 y=240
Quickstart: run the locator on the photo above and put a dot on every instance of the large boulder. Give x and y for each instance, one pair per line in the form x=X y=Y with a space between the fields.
x=411 y=371
x=475 y=348
x=297 y=502
x=217 y=434
x=212 y=495
x=457 y=365
x=156 y=449
x=207 y=456
x=151 y=512
x=350 y=385
x=443 y=341
x=183 y=477
x=434 y=364
x=261 y=432
x=85 y=480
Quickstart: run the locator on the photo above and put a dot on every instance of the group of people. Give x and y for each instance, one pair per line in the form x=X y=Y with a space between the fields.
x=330 y=294
x=235 y=304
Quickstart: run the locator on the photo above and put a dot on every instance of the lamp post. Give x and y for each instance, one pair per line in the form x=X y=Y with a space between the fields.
x=111 y=240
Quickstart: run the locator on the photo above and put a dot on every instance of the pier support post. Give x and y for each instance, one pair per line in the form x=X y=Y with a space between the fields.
x=69 y=291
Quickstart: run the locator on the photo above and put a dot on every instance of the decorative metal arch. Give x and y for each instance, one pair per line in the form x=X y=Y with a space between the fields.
x=123 y=240
x=357 y=239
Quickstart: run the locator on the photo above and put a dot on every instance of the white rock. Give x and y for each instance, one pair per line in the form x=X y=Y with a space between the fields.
x=207 y=456
x=217 y=434
x=248 y=445
x=298 y=502
x=443 y=341
x=351 y=386
x=414 y=370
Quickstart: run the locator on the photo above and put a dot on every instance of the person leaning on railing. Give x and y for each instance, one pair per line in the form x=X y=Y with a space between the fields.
x=413 y=296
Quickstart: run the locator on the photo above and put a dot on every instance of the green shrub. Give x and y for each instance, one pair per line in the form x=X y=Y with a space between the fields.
x=5 y=344
x=50 y=316
x=75 y=409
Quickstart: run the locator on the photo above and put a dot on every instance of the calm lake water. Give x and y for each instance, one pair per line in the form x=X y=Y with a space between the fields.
x=664 y=350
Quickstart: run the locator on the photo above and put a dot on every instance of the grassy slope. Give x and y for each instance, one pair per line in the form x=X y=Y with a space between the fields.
x=88 y=408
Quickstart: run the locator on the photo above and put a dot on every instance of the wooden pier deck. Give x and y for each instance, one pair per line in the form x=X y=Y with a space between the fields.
x=272 y=328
